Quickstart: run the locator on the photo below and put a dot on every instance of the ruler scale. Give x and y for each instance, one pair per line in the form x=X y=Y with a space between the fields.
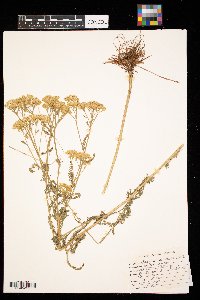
x=41 y=22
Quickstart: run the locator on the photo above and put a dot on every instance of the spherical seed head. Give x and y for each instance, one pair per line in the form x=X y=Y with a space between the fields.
x=130 y=53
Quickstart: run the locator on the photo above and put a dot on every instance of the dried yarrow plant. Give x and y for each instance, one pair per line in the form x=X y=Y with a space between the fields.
x=37 y=122
x=130 y=55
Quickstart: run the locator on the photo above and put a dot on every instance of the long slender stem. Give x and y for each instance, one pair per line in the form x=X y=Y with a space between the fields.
x=81 y=163
x=76 y=122
x=135 y=193
x=30 y=133
x=158 y=75
x=47 y=157
x=84 y=148
x=57 y=180
x=120 y=133
x=22 y=152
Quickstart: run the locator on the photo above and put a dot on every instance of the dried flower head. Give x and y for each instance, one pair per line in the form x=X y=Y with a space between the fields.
x=85 y=158
x=19 y=125
x=23 y=102
x=92 y=105
x=65 y=188
x=130 y=53
x=72 y=100
x=54 y=104
x=30 y=120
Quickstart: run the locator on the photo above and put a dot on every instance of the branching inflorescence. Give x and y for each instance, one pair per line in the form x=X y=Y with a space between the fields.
x=39 y=132
x=38 y=120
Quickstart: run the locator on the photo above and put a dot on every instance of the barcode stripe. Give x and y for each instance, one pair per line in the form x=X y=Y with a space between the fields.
x=22 y=284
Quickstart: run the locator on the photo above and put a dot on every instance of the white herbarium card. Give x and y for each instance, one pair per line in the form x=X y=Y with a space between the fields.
x=56 y=222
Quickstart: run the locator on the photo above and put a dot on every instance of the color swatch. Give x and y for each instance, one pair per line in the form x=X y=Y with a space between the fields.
x=149 y=15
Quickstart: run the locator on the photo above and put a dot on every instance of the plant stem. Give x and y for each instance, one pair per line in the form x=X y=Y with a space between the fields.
x=76 y=122
x=81 y=163
x=57 y=180
x=22 y=152
x=135 y=193
x=120 y=133
x=158 y=75
x=31 y=135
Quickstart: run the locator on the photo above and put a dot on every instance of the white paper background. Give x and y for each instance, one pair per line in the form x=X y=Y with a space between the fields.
x=64 y=63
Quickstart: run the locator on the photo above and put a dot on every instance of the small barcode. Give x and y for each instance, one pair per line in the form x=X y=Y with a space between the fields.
x=22 y=284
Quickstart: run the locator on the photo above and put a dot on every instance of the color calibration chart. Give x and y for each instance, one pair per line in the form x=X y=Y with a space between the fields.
x=149 y=15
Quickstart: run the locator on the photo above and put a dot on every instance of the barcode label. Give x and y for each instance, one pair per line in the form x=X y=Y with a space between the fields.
x=22 y=284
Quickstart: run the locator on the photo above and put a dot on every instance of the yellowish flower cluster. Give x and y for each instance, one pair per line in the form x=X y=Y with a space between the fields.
x=22 y=102
x=27 y=121
x=65 y=188
x=82 y=156
x=92 y=105
x=53 y=103
x=72 y=100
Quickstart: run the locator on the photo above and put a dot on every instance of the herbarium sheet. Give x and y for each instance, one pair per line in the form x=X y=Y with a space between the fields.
x=95 y=162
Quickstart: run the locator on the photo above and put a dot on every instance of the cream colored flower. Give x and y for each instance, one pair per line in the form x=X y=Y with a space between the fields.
x=82 y=156
x=92 y=105
x=72 y=101
x=23 y=102
x=30 y=120
x=54 y=104
x=65 y=188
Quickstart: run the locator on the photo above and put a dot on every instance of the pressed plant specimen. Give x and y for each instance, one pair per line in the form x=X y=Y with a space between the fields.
x=38 y=122
x=130 y=55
